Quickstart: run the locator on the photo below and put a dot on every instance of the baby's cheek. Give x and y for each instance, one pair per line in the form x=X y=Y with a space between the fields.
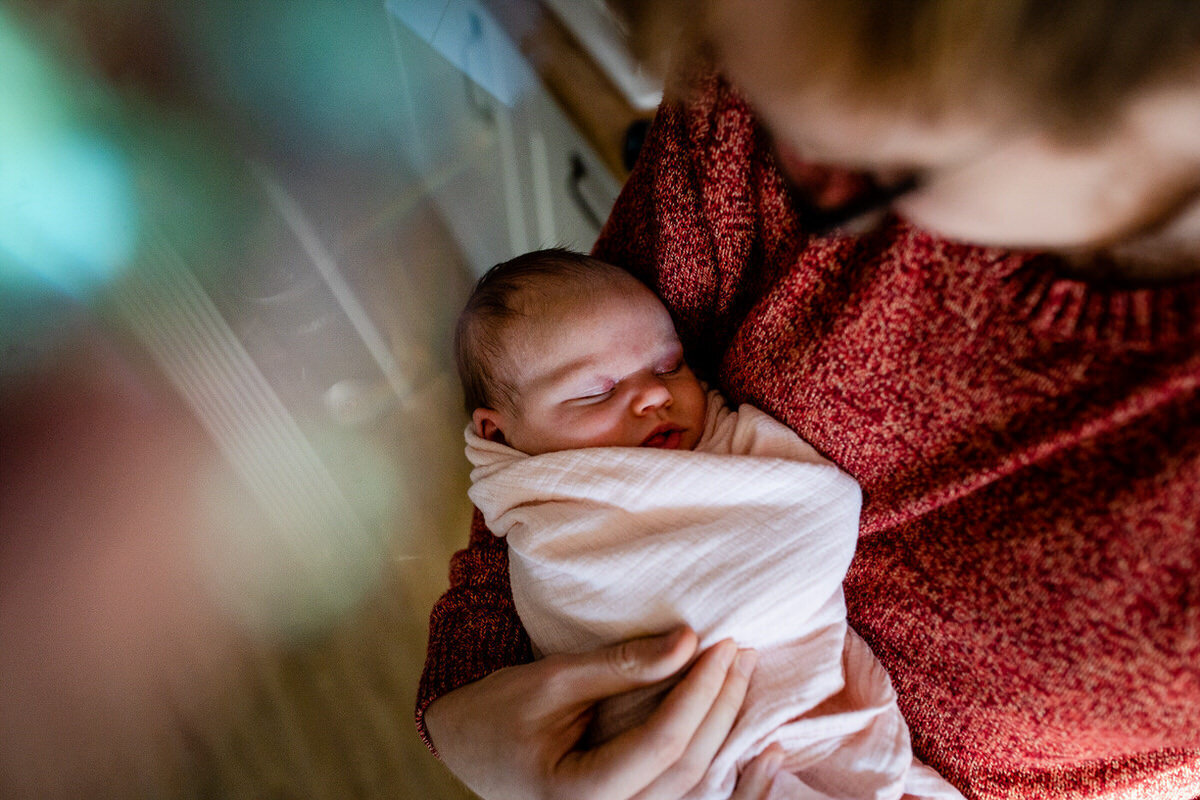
x=597 y=428
x=698 y=399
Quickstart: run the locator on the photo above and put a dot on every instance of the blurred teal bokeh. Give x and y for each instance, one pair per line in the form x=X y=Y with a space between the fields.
x=132 y=197
x=317 y=77
x=68 y=208
x=88 y=172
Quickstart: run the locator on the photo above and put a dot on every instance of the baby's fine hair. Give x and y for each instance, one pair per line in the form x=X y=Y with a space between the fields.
x=518 y=288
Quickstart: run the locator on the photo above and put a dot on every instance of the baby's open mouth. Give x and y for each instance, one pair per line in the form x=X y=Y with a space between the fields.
x=664 y=437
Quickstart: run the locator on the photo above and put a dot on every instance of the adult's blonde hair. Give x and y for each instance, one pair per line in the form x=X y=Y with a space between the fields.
x=1068 y=63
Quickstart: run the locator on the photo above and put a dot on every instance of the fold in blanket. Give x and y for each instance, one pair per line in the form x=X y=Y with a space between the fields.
x=749 y=537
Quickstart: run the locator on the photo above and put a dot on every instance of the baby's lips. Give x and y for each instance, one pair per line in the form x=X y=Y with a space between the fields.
x=664 y=436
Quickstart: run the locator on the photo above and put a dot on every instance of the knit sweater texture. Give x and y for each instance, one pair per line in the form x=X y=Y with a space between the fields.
x=1028 y=445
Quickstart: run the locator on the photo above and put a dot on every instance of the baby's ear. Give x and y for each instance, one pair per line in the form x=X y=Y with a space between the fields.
x=488 y=423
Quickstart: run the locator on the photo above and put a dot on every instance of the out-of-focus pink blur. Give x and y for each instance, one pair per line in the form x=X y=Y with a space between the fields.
x=108 y=633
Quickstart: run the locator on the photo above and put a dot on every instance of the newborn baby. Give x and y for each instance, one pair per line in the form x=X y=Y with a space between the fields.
x=634 y=500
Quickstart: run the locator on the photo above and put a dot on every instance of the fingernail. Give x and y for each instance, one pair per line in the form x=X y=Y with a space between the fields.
x=729 y=653
x=745 y=662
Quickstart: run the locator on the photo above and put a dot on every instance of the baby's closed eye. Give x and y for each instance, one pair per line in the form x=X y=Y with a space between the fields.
x=593 y=395
x=673 y=368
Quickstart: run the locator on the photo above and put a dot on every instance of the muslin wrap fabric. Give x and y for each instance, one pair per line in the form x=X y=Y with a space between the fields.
x=748 y=536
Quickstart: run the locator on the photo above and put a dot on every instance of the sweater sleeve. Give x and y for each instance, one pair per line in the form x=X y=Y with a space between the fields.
x=473 y=628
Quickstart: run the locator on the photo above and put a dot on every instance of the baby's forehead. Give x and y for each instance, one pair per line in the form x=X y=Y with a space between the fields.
x=586 y=329
x=546 y=311
x=552 y=290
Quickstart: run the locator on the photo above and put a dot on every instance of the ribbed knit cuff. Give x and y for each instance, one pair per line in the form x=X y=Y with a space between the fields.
x=473 y=628
x=465 y=645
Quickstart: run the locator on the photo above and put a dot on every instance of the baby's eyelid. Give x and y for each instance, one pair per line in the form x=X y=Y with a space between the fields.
x=675 y=366
x=599 y=394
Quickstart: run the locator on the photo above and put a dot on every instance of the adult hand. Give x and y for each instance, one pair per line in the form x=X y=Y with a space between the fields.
x=514 y=733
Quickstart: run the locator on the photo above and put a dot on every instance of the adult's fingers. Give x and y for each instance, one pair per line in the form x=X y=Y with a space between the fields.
x=584 y=678
x=637 y=757
x=686 y=772
x=755 y=781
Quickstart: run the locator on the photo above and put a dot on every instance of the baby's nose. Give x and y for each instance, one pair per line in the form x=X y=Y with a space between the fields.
x=652 y=394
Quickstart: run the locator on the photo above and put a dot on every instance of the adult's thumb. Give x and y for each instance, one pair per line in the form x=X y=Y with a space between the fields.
x=627 y=665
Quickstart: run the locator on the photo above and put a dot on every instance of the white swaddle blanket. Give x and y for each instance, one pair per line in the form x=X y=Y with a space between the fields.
x=748 y=536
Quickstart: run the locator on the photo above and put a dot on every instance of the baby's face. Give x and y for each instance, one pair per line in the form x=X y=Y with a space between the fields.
x=599 y=371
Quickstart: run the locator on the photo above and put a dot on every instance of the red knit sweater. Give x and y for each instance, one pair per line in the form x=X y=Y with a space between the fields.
x=1028 y=446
